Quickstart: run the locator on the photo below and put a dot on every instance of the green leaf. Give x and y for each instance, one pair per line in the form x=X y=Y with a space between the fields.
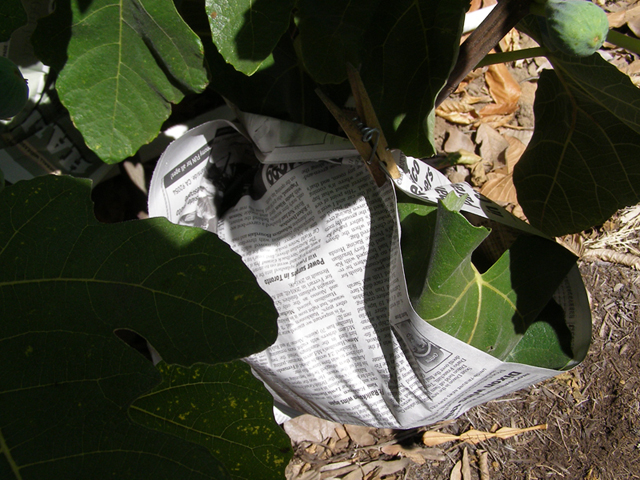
x=581 y=164
x=411 y=49
x=332 y=34
x=280 y=90
x=491 y=311
x=418 y=224
x=12 y=17
x=67 y=283
x=246 y=32
x=405 y=51
x=122 y=64
x=223 y=408
x=547 y=342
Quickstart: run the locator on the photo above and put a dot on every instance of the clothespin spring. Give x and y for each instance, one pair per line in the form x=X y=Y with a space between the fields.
x=367 y=135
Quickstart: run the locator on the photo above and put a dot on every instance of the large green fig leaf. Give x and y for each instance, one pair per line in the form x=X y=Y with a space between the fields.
x=223 y=408
x=411 y=49
x=332 y=34
x=246 y=32
x=405 y=50
x=67 y=284
x=122 y=64
x=12 y=17
x=493 y=311
x=581 y=164
x=280 y=90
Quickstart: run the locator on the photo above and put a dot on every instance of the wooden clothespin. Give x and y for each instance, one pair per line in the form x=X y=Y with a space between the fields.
x=364 y=131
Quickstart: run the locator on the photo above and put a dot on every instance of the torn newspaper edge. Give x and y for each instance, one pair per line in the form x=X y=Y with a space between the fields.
x=323 y=241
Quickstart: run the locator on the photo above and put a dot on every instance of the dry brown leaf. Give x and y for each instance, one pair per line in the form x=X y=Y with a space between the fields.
x=510 y=41
x=475 y=5
x=498 y=121
x=631 y=17
x=456 y=140
x=492 y=145
x=418 y=454
x=466 y=468
x=361 y=435
x=456 y=472
x=457 y=112
x=617 y=19
x=504 y=90
x=514 y=151
x=433 y=438
x=483 y=465
x=379 y=468
x=478 y=174
x=458 y=174
x=500 y=189
x=308 y=427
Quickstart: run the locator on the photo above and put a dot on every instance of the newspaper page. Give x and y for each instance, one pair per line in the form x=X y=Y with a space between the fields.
x=323 y=241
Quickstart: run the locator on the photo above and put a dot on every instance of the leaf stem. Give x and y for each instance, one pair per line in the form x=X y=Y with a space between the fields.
x=504 y=57
x=624 y=41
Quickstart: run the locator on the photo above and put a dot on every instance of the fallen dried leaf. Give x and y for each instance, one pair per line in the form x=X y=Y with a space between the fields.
x=492 y=145
x=432 y=438
x=361 y=435
x=513 y=152
x=455 y=111
x=308 y=427
x=418 y=454
x=466 y=468
x=500 y=189
x=483 y=465
x=504 y=90
x=478 y=174
x=456 y=140
x=384 y=467
x=456 y=472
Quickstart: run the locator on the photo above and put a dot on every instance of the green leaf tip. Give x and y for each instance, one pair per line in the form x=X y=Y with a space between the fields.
x=121 y=65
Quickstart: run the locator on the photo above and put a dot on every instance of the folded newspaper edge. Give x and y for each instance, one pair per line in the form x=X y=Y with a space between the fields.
x=323 y=242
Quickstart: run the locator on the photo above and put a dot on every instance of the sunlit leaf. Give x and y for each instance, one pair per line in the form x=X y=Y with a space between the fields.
x=491 y=311
x=246 y=32
x=122 y=64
